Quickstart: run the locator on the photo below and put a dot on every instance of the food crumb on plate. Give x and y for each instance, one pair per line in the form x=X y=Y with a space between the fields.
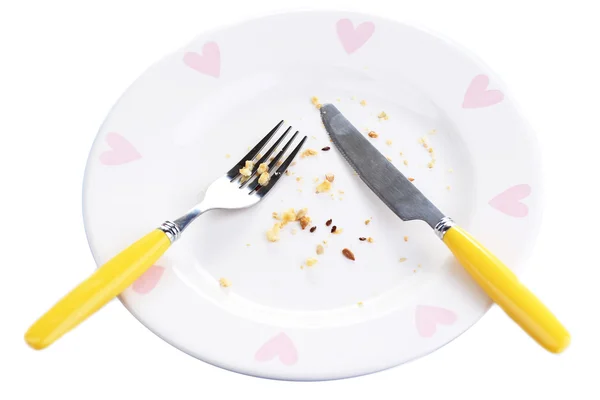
x=448 y=187
x=304 y=221
x=353 y=98
x=308 y=153
x=411 y=179
x=370 y=239
x=402 y=259
x=360 y=304
x=247 y=169
x=338 y=231
x=247 y=244
x=431 y=164
x=315 y=101
x=323 y=186
x=275 y=215
x=406 y=238
x=406 y=162
x=311 y=261
x=363 y=103
x=273 y=233
x=450 y=170
x=373 y=134
x=348 y=254
x=227 y=155
x=294 y=231
x=298 y=178
x=330 y=177
x=388 y=158
x=224 y=282
x=320 y=249
x=367 y=221
x=383 y=116
x=388 y=142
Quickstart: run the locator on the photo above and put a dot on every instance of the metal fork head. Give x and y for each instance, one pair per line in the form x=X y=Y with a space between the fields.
x=231 y=191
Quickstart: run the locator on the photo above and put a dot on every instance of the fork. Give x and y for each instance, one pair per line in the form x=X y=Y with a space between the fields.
x=231 y=191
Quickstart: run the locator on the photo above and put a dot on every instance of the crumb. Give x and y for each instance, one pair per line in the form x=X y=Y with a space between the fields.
x=324 y=241
x=373 y=134
x=311 y=261
x=353 y=98
x=227 y=155
x=338 y=231
x=324 y=186
x=360 y=304
x=301 y=213
x=278 y=163
x=304 y=222
x=244 y=178
x=333 y=229
x=430 y=164
x=330 y=177
x=419 y=266
x=370 y=239
x=367 y=221
x=292 y=164
x=288 y=216
x=338 y=99
x=247 y=244
x=401 y=154
x=319 y=106
x=431 y=149
x=320 y=249
x=348 y=254
x=224 y=282
x=288 y=173
x=451 y=170
x=294 y=231
x=308 y=153
x=402 y=259
x=300 y=190
x=264 y=167
x=362 y=239
x=447 y=187
x=298 y=178
x=247 y=169
x=354 y=173
x=314 y=100
x=388 y=142
x=302 y=267
x=263 y=179
x=411 y=179
x=258 y=156
x=341 y=192
x=406 y=238
x=273 y=233
x=383 y=115
x=363 y=103
x=326 y=148
x=314 y=228
x=328 y=222
x=388 y=158
x=433 y=131
x=406 y=162
x=316 y=179
x=414 y=271
x=275 y=215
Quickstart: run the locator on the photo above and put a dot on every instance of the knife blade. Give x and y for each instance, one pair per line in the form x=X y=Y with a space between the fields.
x=404 y=199
x=380 y=175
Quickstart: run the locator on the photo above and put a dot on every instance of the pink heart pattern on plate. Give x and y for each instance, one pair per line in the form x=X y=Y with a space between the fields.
x=208 y=63
x=478 y=96
x=509 y=201
x=354 y=38
x=148 y=281
x=122 y=151
x=428 y=317
x=278 y=346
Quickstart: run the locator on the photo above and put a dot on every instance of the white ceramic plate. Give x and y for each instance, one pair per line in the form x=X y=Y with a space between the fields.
x=168 y=136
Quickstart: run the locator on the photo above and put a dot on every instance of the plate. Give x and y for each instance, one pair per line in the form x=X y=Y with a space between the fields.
x=189 y=116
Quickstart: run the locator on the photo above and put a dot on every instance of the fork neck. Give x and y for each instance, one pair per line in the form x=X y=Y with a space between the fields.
x=173 y=229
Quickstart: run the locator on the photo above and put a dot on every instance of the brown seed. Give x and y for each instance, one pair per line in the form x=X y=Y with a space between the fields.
x=333 y=229
x=314 y=228
x=326 y=148
x=362 y=239
x=348 y=254
x=328 y=222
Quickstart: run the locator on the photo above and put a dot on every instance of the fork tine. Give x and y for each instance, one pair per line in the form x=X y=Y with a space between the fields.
x=233 y=172
x=273 y=163
x=263 y=190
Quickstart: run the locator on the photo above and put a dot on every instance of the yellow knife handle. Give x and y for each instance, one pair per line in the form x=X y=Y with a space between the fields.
x=102 y=286
x=505 y=289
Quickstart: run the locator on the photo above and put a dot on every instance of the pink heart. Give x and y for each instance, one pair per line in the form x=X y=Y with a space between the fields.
x=478 y=96
x=209 y=62
x=352 y=39
x=427 y=318
x=122 y=151
x=508 y=201
x=278 y=346
x=148 y=281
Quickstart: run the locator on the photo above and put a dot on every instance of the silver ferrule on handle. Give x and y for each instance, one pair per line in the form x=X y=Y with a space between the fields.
x=171 y=230
x=443 y=226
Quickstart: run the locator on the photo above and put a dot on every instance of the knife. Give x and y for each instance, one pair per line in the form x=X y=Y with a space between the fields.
x=407 y=202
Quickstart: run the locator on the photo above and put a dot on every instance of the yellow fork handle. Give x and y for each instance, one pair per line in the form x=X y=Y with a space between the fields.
x=505 y=289
x=102 y=286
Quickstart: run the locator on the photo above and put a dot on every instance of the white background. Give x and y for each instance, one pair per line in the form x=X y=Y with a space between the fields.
x=62 y=66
